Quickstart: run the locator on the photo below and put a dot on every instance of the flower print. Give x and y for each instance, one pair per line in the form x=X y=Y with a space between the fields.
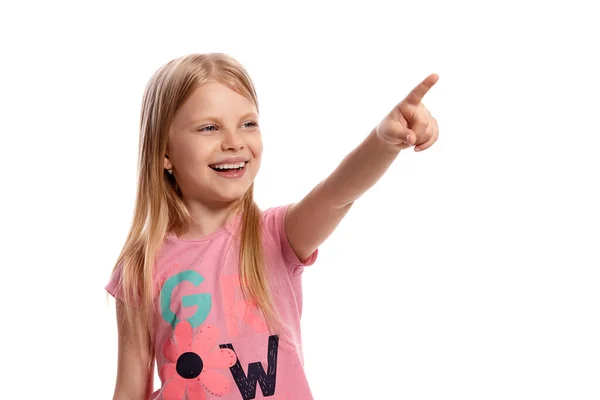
x=193 y=361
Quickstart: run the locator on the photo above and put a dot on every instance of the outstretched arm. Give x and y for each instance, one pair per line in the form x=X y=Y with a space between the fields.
x=313 y=219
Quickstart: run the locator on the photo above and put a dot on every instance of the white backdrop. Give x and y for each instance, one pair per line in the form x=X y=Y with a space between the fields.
x=470 y=271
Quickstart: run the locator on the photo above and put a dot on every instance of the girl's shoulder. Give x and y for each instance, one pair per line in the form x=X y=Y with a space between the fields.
x=273 y=221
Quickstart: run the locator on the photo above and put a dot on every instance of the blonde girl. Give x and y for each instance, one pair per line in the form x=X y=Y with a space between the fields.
x=207 y=285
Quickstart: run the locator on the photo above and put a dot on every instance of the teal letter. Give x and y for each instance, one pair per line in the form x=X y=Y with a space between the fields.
x=202 y=300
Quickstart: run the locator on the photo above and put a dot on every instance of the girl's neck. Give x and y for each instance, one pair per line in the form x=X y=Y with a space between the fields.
x=206 y=221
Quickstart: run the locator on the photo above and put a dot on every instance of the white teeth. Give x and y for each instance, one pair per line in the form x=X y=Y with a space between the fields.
x=229 y=166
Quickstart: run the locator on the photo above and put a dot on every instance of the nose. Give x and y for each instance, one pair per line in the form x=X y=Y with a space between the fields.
x=231 y=140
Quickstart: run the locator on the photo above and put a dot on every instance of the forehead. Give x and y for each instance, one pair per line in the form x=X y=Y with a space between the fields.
x=217 y=100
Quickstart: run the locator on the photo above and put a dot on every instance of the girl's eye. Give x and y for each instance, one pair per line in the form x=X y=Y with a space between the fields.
x=212 y=128
x=204 y=129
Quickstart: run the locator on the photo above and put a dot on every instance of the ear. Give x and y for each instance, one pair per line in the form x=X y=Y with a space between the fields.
x=167 y=163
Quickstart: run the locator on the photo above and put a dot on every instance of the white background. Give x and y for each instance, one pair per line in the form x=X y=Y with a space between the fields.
x=470 y=271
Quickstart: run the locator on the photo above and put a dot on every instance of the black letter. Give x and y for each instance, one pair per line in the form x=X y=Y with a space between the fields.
x=256 y=372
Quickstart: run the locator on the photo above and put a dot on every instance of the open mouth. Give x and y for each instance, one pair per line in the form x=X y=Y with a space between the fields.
x=230 y=169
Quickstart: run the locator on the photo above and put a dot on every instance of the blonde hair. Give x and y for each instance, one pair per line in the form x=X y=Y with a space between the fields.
x=159 y=207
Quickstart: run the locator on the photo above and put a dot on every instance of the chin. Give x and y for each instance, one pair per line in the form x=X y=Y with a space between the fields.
x=232 y=195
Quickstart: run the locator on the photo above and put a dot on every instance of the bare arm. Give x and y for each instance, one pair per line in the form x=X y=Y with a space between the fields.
x=135 y=368
x=309 y=222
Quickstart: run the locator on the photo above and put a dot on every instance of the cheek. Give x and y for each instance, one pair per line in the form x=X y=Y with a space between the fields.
x=191 y=156
x=256 y=146
x=191 y=160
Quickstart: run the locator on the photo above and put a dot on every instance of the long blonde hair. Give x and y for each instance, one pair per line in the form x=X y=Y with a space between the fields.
x=159 y=207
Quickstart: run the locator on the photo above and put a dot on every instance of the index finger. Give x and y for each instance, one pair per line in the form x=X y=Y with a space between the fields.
x=416 y=95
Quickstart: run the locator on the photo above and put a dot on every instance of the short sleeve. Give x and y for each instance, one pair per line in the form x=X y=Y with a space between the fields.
x=274 y=226
x=115 y=287
x=115 y=283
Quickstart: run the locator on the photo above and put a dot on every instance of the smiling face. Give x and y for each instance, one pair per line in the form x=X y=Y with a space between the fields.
x=213 y=125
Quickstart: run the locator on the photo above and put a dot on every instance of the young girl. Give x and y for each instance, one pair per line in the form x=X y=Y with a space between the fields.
x=207 y=284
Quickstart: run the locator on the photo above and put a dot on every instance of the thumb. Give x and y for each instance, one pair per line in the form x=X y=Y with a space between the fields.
x=406 y=137
x=394 y=132
x=403 y=133
x=411 y=137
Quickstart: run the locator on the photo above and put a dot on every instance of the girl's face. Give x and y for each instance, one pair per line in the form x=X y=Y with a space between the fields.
x=213 y=125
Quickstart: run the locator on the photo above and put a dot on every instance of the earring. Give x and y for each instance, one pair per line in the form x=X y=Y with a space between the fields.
x=170 y=171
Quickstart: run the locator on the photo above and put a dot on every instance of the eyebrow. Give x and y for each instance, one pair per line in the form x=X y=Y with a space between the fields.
x=212 y=118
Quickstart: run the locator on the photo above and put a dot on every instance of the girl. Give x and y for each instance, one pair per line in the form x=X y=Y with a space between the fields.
x=207 y=284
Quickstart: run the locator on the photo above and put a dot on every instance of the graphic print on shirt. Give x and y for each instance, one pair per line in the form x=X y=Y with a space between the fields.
x=237 y=310
x=202 y=300
x=195 y=361
x=246 y=383
x=194 y=356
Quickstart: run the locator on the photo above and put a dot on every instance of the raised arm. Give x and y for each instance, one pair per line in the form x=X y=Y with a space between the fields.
x=310 y=221
x=135 y=368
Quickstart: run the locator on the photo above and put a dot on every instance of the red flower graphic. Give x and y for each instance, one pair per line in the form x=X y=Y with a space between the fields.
x=194 y=360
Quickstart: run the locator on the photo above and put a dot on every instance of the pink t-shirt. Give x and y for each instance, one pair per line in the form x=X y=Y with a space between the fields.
x=209 y=342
